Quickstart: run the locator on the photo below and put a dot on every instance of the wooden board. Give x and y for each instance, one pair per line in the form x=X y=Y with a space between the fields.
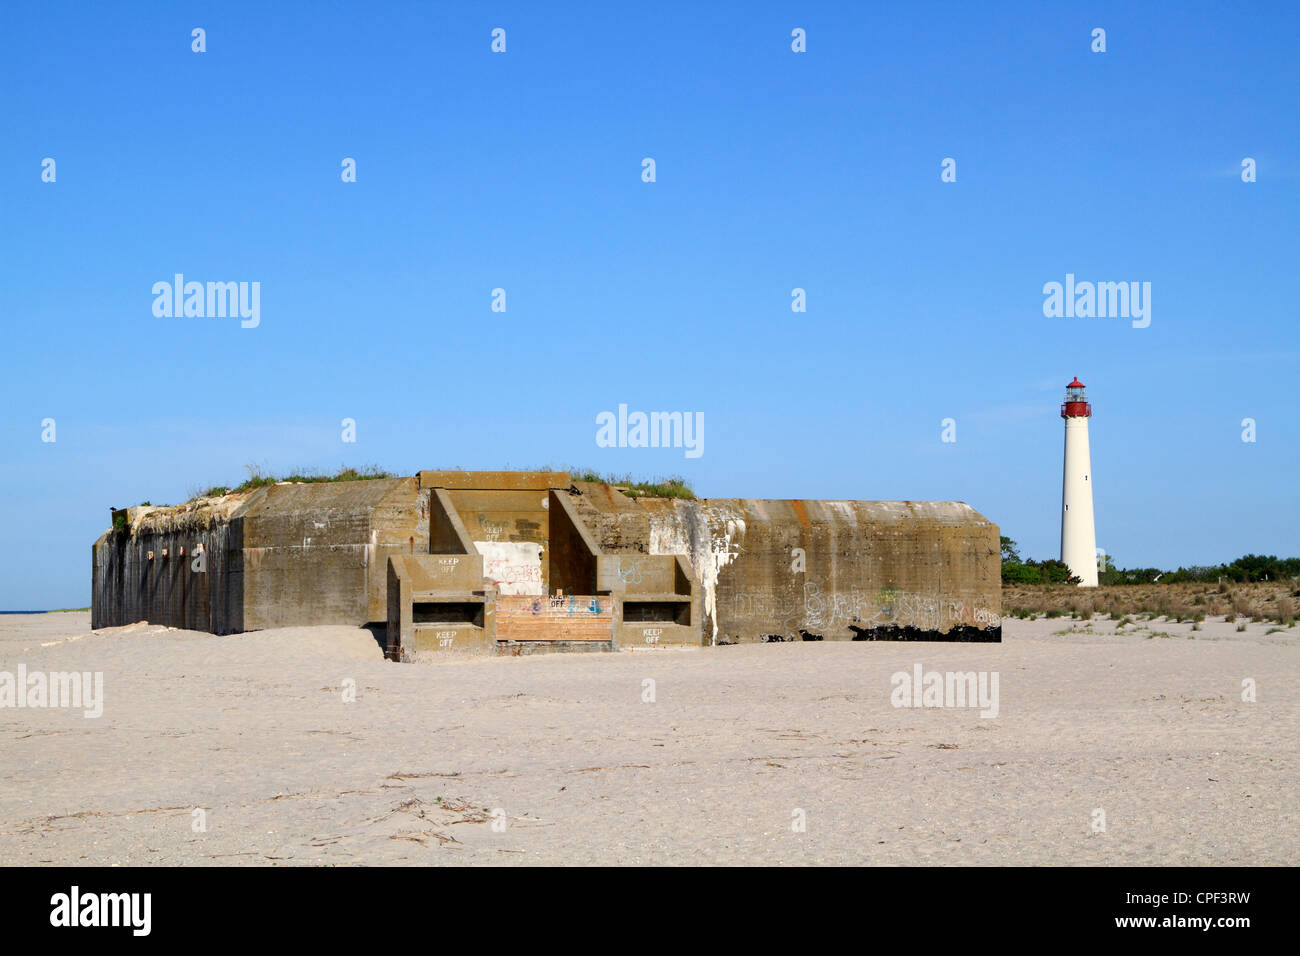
x=573 y=617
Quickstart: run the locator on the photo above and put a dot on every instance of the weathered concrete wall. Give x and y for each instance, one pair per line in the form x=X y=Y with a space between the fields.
x=399 y=524
x=866 y=569
x=657 y=597
x=430 y=598
x=152 y=571
x=447 y=533
x=282 y=555
x=309 y=550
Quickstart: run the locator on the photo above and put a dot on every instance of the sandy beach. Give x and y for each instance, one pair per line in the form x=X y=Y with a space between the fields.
x=564 y=759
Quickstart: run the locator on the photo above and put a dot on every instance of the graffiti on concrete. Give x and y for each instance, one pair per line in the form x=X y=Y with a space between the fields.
x=628 y=570
x=816 y=610
x=494 y=530
x=515 y=566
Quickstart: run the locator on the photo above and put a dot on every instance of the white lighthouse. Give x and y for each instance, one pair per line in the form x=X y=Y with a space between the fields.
x=1078 y=536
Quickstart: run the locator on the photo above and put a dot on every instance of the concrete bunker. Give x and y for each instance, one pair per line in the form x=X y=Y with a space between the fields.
x=448 y=563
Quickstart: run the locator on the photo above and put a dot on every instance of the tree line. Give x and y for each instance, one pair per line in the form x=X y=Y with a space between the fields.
x=1247 y=568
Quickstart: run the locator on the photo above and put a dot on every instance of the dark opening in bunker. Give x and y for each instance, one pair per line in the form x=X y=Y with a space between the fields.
x=964 y=633
x=657 y=612
x=447 y=612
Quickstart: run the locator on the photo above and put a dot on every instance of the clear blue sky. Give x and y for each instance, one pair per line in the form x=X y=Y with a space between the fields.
x=775 y=170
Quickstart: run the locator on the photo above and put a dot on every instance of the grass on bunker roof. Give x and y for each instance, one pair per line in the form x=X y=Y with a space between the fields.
x=673 y=486
x=259 y=477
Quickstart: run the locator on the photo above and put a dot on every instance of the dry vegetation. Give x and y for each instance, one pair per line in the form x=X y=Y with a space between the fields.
x=1191 y=601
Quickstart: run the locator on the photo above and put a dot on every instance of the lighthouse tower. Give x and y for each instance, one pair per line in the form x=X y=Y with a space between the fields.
x=1078 y=536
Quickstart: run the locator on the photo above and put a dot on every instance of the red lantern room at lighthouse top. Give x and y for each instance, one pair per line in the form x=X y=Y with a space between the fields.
x=1076 y=402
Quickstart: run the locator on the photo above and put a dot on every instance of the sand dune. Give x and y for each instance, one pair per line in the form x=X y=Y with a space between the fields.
x=430 y=759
